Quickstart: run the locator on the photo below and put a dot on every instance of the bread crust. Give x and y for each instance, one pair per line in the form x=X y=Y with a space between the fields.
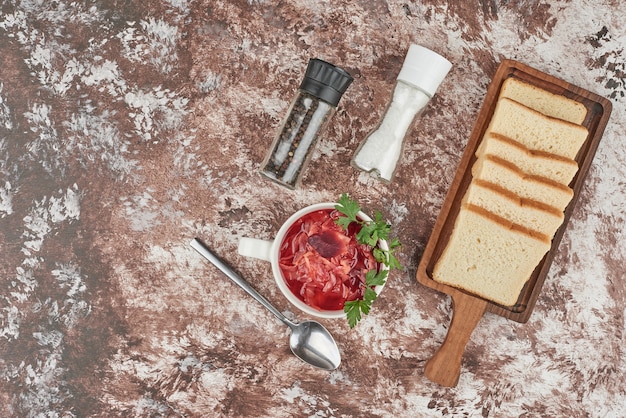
x=521 y=201
x=543 y=101
x=533 y=153
x=532 y=162
x=531 y=177
x=538 y=132
x=507 y=224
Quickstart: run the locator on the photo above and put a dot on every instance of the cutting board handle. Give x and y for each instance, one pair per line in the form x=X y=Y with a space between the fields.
x=444 y=367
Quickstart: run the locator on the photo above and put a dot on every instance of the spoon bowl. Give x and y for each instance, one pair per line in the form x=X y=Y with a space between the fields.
x=309 y=340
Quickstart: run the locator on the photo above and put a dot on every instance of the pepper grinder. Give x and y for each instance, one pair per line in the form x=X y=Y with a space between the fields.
x=309 y=112
x=422 y=72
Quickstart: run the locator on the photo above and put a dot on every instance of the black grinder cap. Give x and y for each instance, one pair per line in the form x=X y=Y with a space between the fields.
x=325 y=81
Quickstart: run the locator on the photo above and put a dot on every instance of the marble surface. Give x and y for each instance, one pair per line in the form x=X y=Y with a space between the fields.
x=128 y=128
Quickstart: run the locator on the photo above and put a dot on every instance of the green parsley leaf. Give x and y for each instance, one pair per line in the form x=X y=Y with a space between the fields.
x=353 y=310
x=343 y=222
x=373 y=278
x=380 y=255
x=367 y=234
x=348 y=207
x=393 y=262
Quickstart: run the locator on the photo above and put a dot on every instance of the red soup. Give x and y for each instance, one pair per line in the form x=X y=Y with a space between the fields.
x=323 y=264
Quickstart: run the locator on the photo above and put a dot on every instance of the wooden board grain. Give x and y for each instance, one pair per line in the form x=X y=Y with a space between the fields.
x=598 y=113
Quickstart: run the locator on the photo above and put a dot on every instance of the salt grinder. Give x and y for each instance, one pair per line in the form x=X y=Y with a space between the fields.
x=422 y=72
x=311 y=109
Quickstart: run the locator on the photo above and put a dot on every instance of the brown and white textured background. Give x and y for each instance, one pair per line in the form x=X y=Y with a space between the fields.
x=128 y=128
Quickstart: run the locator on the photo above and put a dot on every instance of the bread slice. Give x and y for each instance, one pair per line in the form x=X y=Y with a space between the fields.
x=550 y=104
x=535 y=130
x=501 y=172
x=539 y=163
x=530 y=214
x=490 y=257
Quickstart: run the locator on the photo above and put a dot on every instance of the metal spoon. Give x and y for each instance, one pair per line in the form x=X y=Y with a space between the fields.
x=309 y=340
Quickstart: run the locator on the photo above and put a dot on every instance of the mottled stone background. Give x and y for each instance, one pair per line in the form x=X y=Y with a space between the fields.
x=128 y=128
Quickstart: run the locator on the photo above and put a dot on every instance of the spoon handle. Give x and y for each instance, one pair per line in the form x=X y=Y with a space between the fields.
x=228 y=271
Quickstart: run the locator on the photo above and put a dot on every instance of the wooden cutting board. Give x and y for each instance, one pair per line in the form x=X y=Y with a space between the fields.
x=444 y=367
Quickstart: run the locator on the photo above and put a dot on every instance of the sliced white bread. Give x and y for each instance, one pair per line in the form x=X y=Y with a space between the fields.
x=489 y=256
x=501 y=172
x=539 y=163
x=535 y=130
x=550 y=104
x=528 y=213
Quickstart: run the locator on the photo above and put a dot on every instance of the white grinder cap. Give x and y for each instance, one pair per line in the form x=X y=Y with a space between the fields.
x=424 y=69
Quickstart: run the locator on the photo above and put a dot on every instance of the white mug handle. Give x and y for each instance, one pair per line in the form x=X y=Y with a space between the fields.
x=257 y=248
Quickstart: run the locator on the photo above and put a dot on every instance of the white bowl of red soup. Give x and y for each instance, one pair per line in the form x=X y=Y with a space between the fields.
x=320 y=264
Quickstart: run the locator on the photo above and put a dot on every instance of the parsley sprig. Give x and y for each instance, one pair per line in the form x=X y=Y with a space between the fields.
x=370 y=233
